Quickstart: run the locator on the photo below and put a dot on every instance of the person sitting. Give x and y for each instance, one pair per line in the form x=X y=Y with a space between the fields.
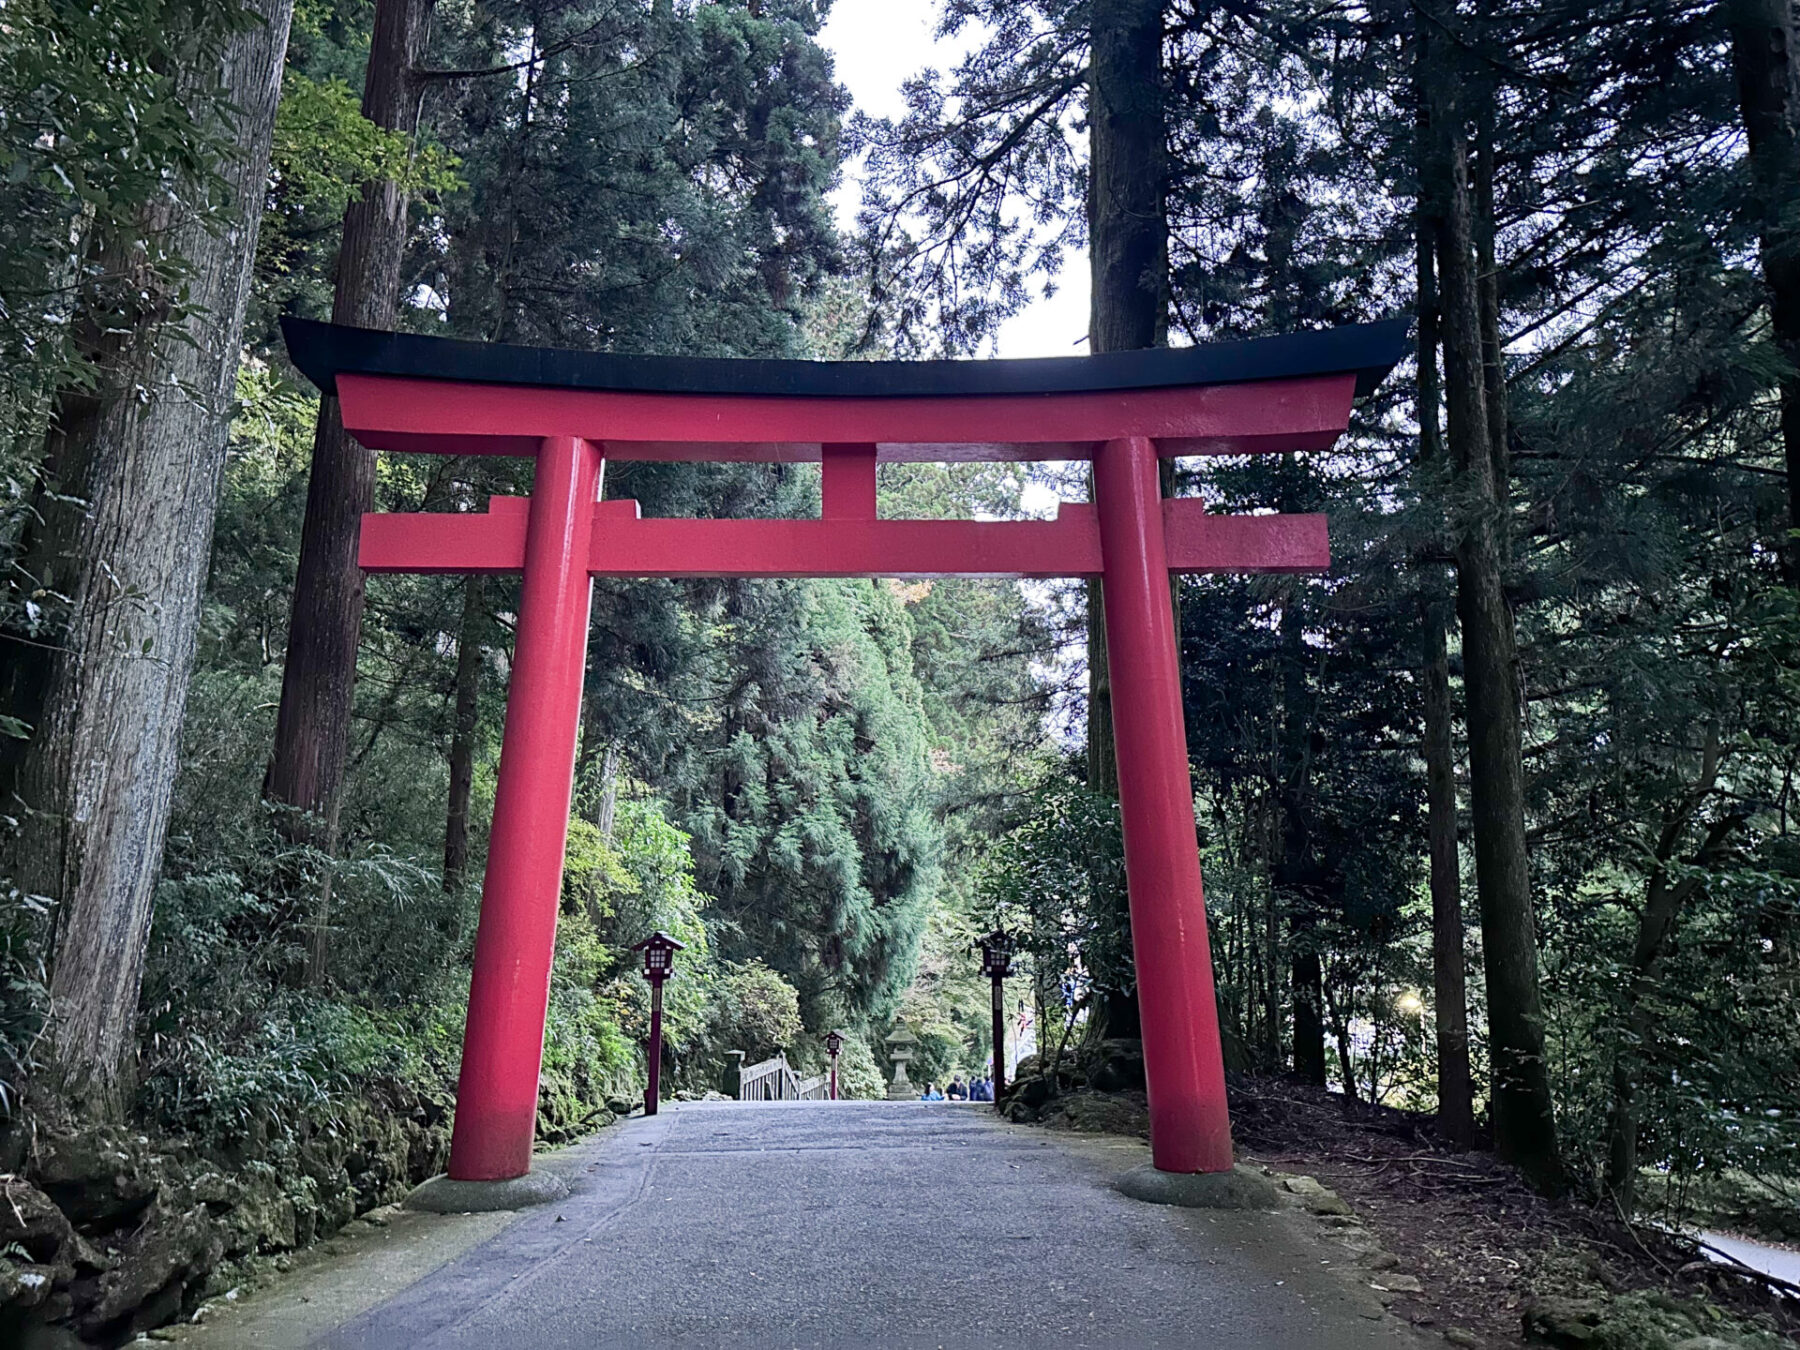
x=978 y=1091
x=931 y=1094
x=958 y=1093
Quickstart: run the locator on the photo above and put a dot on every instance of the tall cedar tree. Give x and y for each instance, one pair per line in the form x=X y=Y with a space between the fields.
x=1763 y=33
x=312 y=728
x=1450 y=999
x=1128 y=237
x=1523 y=1111
x=121 y=527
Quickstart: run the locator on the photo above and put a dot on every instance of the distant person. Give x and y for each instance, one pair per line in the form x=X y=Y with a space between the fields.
x=958 y=1093
x=981 y=1091
x=931 y=1094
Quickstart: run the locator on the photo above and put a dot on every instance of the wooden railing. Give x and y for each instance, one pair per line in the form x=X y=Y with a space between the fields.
x=774 y=1080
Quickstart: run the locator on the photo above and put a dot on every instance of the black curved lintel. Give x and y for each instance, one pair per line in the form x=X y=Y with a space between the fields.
x=324 y=351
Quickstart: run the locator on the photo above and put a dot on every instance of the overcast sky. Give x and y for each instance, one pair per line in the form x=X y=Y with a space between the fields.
x=878 y=44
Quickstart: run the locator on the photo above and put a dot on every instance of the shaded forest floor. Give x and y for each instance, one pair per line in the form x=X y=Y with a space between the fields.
x=1495 y=1264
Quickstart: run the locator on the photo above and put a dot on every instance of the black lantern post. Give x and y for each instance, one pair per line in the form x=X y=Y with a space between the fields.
x=834 y=1042
x=996 y=964
x=659 y=962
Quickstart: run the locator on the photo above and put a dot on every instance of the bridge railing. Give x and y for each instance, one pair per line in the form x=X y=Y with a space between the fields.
x=774 y=1080
x=771 y=1081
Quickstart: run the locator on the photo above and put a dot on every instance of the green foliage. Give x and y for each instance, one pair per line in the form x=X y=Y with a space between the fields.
x=1057 y=880
x=324 y=151
x=863 y=1071
x=754 y=1010
x=103 y=114
x=24 y=988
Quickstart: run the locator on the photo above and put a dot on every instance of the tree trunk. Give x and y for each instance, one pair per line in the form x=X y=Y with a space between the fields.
x=1127 y=255
x=1523 y=1112
x=1450 y=1002
x=1308 y=983
x=607 y=813
x=134 y=467
x=312 y=729
x=1762 y=45
x=1129 y=265
x=462 y=738
x=1296 y=871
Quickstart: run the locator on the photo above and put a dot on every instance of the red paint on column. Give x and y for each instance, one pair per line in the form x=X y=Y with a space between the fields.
x=653 y=1091
x=503 y=1045
x=847 y=482
x=1190 y=1130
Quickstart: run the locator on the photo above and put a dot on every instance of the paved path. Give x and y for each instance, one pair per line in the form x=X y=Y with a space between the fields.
x=819 y=1224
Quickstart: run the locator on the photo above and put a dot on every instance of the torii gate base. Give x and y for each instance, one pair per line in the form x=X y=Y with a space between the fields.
x=411 y=393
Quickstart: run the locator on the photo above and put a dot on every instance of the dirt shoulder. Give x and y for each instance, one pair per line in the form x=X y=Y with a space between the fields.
x=1479 y=1257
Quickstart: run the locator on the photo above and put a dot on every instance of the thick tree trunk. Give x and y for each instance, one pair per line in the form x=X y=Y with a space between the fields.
x=1523 y=1112
x=1127 y=254
x=134 y=467
x=1768 y=72
x=462 y=737
x=312 y=729
x=1308 y=986
x=1450 y=1002
x=1129 y=263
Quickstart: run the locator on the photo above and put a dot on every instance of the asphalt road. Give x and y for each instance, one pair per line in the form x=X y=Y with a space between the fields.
x=819 y=1224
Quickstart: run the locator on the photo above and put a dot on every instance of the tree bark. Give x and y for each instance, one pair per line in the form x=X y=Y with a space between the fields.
x=1523 y=1111
x=1762 y=46
x=312 y=728
x=1127 y=254
x=132 y=474
x=462 y=737
x=1307 y=978
x=1450 y=1001
x=607 y=813
x=1129 y=263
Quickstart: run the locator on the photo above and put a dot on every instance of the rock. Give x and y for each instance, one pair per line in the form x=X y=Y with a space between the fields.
x=1560 y=1321
x=30 y=1220
x=153 y=1271
x=1116 y=1065
x=1461 y=1336
x=216 y=1190
x=1102 y=1113
x=26 y=1285
x=1706 y=1343
x=99 y=1178
x=1316 y=1198
x=1379 y=1260
x=1396 y=1283
x=619 y=1106
x=1032 y=1092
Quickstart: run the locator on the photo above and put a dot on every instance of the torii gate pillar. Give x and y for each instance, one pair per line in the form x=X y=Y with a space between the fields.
x=509 y=991
x=1189 y=1123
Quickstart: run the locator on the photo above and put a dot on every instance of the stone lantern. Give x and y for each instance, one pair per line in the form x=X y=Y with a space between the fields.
x=900 y=1051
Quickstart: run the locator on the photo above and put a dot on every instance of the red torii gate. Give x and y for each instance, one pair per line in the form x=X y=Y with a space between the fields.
x=571 y=410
